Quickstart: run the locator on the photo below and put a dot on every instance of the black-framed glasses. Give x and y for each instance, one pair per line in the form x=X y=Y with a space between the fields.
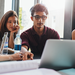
x=37 y=17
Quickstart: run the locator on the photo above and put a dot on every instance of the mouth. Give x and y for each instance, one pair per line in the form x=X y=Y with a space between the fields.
x=39 y=23
x=11 y=28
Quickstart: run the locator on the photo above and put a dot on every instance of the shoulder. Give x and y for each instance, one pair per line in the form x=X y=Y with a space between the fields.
x=50 y=30
x=26 y=32
x=73 y=34
x=52 y=33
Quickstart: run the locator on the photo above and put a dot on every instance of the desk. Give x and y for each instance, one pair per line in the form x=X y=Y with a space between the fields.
x=67 y=71
x=30 y=67
x=12 y=66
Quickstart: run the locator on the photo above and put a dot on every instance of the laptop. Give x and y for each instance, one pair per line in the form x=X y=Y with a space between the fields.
x=58 y=54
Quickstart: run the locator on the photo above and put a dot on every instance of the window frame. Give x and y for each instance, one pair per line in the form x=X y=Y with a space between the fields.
x=15 y=6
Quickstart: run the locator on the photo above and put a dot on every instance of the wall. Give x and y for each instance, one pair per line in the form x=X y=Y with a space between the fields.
x=68 y=19
x=1 y=8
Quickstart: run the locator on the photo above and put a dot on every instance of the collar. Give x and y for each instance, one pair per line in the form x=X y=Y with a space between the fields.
x=33 y=31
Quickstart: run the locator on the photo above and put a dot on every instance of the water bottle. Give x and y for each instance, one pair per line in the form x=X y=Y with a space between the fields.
x=17 y=42
x=5 y=43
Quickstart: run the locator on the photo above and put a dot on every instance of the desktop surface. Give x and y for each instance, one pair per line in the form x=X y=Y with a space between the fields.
x=70 y=71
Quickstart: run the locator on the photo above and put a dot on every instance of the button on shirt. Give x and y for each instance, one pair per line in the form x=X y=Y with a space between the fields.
x=31 y=39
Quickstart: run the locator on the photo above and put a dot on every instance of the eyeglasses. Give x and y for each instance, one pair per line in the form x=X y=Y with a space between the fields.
x=37 y=17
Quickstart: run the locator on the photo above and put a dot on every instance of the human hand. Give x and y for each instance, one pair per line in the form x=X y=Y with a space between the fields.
x=15 y=28
x=17 y=56
x=28 y=55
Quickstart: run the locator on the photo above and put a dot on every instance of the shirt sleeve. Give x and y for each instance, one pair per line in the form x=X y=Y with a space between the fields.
x=25 y=39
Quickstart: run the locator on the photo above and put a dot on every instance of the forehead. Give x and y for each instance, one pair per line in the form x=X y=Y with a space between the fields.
x=39 y=13
x=12 y=18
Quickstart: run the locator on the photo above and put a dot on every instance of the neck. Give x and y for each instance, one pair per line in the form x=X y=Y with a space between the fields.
x=38 y=30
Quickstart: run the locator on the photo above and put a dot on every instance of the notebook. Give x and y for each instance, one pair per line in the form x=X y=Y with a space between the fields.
x=58 y=54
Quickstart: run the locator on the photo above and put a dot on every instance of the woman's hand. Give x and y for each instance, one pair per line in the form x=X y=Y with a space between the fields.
x=15 y=28
x=16 y=56
x=11 y=37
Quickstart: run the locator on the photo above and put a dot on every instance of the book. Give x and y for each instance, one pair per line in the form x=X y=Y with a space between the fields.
x=13 y=66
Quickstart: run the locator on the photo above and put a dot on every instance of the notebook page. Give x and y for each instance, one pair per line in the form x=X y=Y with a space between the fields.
x=18 y=65
x=41 y=71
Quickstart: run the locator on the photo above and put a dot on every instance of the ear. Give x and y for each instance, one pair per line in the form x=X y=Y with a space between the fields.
x=31 y=18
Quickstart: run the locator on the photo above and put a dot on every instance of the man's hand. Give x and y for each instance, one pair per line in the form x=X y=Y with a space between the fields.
x=28 y=55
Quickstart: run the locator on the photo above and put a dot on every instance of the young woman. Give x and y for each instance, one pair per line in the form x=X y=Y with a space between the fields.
x=9 y=23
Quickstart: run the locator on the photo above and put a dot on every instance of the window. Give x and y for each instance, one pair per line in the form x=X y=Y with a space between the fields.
x=56 y=15
x=8 y=5
x=24 y=14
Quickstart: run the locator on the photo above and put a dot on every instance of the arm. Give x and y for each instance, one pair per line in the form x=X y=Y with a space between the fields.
x=11 y=38
x=23 y=49
x=17 y=56
x=73 y=35
x=25 y=45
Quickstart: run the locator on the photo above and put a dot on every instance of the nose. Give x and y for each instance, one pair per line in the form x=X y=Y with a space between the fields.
x=40 y=19
x=13 y=24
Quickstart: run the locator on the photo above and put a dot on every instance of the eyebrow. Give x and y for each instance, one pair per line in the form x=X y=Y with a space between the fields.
x=38 y=15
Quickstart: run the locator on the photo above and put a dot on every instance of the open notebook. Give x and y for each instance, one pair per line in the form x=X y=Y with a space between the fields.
x=58 y=54
x=14 y=66
x=28 y=67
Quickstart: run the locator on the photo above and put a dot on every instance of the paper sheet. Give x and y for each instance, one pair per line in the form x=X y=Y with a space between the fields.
x=41 y=71
x=13 y=66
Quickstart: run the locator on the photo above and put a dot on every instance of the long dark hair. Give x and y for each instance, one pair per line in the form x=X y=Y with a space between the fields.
x=4 y=20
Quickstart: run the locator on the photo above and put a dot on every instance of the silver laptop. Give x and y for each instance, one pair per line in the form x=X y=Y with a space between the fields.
x=58 y=54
